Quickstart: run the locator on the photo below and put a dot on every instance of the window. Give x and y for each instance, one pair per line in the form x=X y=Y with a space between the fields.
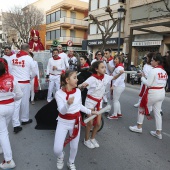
x=72 y=33
x=113 y=2
x=0 y=36
x=63 y=14
x=0 y=27
x=57 y=34
x=94 y=5
x=53 y=37
x=53 y=17
x=93 y=29
x=103 y=3
x=48 y=19
x=48 y=36
x=122 y=26
x=63 y=33
x=57 y=15
x=103 y=29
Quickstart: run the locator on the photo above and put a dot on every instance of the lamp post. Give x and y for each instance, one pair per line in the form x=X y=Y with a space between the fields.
x=121 y=12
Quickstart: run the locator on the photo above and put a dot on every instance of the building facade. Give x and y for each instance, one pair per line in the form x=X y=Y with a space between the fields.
x=64 y=23
x=97 y=9
x=1 y=30
x=148 y=28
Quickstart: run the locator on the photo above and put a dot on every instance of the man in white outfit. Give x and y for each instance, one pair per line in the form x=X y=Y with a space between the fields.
x=22 y=65
x=55 y=66
x=64 y=56
x=72 y=60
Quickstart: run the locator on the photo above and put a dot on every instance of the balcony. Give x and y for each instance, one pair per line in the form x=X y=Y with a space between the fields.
x=74 y=40
x=73 y=23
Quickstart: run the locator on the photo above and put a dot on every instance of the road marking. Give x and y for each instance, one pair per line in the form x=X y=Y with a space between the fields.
x=166 y=134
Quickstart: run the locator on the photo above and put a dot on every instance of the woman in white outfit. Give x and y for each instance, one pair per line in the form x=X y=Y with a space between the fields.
x=154 y=96
x=146 y=70
x=118 y=86
x=9 y=91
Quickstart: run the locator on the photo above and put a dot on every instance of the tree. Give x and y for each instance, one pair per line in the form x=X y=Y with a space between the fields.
x=104 y=27
x=23 y=20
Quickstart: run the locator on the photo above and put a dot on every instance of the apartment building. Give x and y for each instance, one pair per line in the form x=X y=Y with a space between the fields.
x=97 y=9
x=1 y=30
x=148 y=28
x=64 y=22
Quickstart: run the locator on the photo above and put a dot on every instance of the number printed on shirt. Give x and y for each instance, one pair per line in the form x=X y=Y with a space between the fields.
x=162 y=76
x=16 y=62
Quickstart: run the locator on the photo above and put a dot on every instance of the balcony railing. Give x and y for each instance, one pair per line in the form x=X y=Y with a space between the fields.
x=74 y=40
x=73 y=21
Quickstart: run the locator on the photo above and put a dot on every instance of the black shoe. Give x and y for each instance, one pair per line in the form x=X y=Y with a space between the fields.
x=17 y=129
x=161 y=113
x=28 y=122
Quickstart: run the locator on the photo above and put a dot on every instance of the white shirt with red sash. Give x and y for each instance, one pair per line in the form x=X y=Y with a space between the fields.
x=64 y=109
x=57 y=62
x=22 y=66
x=120 y=81
x=146 y=69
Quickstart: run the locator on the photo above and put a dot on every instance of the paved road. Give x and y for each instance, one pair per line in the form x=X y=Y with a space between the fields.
x=119 y=149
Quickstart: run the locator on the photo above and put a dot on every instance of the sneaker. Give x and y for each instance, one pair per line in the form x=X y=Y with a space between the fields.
x=60 y=162
x=1 y=151
x=89 y=144
x=95 y=143
x=17 y=129
x=32 y=102
x=113 y=117
x=28 y=122
x=5 y=165
x=71 y=166
x=119 y=115
x=153 y=133
x=137 y=104
x=135 y=129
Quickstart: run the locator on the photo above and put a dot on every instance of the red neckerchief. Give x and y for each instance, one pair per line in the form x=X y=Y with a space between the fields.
x=120 y=64
x=159 y=66
x=109 y=59
x=9 y=54
x=21 y=53
x=69 y=92
x=60 y=52
x=6 y=65
x=57 y=58
x=70 y=56
x=101 y=59
x=86 y=65
x=98 y=77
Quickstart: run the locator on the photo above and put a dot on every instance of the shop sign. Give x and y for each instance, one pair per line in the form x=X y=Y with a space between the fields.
x=146 y=43
x=100 y=42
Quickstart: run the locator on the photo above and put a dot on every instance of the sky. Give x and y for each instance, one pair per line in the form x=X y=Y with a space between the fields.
x=5 y=5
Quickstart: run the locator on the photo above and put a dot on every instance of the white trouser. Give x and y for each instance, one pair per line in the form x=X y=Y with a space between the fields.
x=53 y=81
x=117 y=91
x=60 y=136
x=107 y=97
x=32 y=89
x=155 y=100
x=22 y=106
x=6 y=112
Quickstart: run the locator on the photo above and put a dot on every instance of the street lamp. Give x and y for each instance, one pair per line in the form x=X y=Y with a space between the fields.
x=121 y=12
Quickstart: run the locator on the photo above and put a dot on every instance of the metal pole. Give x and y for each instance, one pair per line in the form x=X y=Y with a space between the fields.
x=119 y=36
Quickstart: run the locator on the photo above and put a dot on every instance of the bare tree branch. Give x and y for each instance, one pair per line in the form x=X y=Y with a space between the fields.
x=23 y=20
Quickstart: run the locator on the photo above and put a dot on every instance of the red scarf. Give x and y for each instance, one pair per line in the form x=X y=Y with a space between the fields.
x=159 y=66
x=56 y=58
x=99 y=77
x=9 y=54
x=142 y=90
x=70 y=56
x=60 y=52
x=69 y=92
x=86 y=65
x=109 y=59
x=120 y=64
x=21 y=53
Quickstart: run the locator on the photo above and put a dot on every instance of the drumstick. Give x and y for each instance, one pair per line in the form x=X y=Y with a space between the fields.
x=107 y=108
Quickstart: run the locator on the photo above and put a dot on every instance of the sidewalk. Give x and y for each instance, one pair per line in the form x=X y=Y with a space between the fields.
x=137 y=87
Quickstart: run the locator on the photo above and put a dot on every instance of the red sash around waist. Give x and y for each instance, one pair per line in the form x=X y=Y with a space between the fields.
x=96 y=100
x=142 y=90
x=144 y=100
x=24 y=82
x=7 y=101
x=75 y=117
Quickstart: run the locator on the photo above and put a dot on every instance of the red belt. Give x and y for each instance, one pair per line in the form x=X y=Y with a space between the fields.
x=24 y=82
x=144 y=100
x=76 y=125
x=96 y=100
x=7 y=101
